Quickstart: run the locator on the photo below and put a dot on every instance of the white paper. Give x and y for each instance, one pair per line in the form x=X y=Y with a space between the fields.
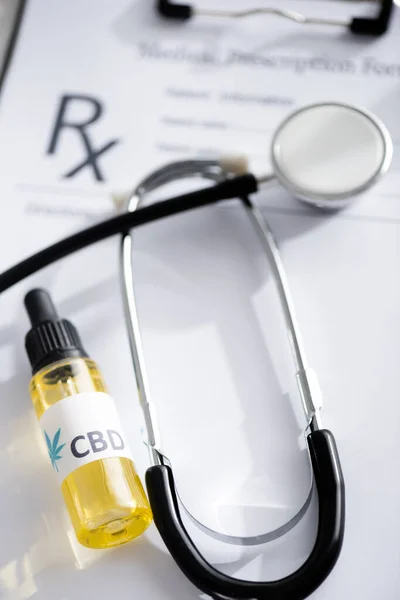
x=210 y=324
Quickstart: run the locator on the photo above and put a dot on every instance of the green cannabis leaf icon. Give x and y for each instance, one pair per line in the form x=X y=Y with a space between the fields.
x=54 y=449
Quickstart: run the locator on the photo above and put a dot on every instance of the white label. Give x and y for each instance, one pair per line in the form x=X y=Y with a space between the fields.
x=81 y=429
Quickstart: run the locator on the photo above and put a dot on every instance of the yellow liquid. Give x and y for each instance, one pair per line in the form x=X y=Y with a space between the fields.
x=105 y=499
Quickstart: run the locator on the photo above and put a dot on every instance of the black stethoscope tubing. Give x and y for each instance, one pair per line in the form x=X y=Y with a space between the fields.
x=225 y=190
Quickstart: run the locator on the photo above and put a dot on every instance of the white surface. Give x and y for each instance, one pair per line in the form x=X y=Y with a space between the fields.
x=329 y=150
x=211 y=327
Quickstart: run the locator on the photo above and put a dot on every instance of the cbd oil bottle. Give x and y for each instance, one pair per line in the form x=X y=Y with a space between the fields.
x=87 y=447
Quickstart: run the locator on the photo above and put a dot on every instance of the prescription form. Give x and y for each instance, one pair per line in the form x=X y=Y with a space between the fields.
x=151 y=92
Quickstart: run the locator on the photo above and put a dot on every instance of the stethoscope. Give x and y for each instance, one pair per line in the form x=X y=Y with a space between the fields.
x=326 y=154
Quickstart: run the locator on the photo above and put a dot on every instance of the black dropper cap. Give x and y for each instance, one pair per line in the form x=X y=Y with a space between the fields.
x=51 y=339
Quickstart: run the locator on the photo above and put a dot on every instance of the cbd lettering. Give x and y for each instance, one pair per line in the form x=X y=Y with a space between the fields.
x=96 y=441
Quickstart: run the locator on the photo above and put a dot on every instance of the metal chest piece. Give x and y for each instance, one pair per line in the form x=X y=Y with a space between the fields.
x=327 y=154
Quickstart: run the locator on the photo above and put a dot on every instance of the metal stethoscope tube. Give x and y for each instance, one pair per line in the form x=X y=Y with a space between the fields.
x=209 y=169
x=322 y=449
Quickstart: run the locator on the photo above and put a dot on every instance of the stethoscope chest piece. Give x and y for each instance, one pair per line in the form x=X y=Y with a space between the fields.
x=326 y=154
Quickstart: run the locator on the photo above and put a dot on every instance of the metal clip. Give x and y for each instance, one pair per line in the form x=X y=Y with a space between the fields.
x=374 y=26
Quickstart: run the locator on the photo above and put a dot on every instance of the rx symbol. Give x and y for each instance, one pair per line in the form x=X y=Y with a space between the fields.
x=81 y=127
